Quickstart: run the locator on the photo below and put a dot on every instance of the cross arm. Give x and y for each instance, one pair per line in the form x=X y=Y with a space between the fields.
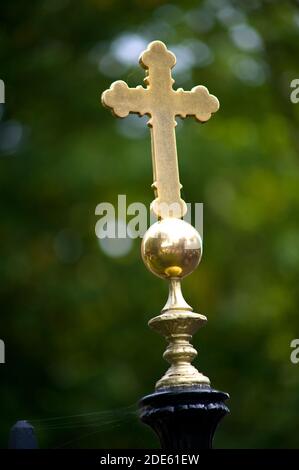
x=123 y=100
x=198 y=103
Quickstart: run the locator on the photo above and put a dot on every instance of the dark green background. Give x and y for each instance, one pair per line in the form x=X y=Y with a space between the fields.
x=73 y=319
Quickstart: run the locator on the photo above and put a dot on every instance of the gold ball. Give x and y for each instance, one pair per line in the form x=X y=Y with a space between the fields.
x=171 y=248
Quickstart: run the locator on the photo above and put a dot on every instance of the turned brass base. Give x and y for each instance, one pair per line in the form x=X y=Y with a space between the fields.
x=178 y=326
x=171 y=249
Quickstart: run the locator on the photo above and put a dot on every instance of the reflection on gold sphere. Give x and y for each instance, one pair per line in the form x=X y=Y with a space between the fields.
x=171 y=248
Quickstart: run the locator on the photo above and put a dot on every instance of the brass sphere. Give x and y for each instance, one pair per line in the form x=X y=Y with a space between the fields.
x=171 y=248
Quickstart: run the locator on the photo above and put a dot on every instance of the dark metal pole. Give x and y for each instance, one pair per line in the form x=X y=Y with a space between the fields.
x=184 y=417
x=22 y=436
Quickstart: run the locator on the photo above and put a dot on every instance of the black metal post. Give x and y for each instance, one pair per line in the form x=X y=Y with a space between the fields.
x=184 y=417
x=22 y=436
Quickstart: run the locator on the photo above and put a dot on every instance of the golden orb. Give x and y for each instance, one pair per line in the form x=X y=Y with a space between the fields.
x=171 y=248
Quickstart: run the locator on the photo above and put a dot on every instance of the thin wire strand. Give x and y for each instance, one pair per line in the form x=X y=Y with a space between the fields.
x=97 y=422
x=125 y=410
x=82 y=436
x=77 y=439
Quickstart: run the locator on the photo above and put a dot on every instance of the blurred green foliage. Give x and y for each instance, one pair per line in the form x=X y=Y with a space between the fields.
x=74 y=319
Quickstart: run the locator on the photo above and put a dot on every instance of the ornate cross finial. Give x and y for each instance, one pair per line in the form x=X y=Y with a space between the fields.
x=162 y=103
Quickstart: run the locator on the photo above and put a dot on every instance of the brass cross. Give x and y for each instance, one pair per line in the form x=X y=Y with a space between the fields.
x=162 y=103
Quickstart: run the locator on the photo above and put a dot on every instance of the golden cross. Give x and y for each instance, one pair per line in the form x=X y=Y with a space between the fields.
x=162 y=103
